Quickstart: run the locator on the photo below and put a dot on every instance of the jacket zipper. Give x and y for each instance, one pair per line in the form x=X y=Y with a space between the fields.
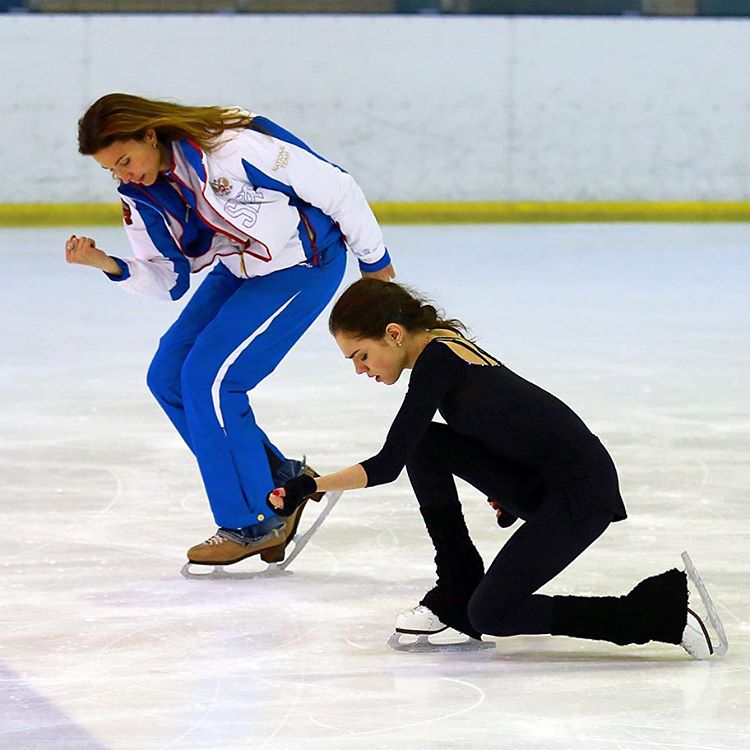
x=242 y=257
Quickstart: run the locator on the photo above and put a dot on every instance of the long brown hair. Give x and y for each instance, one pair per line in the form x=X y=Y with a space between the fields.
x=369 y=305
x=121 y=117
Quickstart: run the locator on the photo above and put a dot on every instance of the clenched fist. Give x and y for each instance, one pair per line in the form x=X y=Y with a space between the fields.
x=84 y=252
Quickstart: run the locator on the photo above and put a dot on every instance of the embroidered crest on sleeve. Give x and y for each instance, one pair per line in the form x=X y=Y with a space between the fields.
x=221 y=186
x=127 y=213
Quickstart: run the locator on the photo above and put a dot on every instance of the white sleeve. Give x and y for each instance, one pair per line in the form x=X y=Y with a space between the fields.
x=158 y=269
x=327 y=187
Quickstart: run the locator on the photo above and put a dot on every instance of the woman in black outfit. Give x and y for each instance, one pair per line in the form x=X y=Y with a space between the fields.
x=523 y=447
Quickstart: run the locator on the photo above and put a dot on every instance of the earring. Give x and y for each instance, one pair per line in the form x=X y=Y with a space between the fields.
x=155 y=144
x=399 y=343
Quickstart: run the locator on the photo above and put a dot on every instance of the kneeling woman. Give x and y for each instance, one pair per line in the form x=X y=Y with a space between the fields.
x=518 y=444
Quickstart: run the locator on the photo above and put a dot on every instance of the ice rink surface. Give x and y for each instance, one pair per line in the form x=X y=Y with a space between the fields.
x=642 y=329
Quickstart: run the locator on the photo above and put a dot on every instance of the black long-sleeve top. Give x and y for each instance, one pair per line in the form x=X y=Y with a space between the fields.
x=515 y=419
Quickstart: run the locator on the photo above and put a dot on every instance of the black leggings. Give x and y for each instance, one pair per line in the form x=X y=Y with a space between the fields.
x=503 y=601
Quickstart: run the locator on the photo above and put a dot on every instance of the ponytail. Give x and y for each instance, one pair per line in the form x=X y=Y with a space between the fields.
x=369 y=305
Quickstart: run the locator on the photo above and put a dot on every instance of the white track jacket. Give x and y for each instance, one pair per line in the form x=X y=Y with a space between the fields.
x=260 y=202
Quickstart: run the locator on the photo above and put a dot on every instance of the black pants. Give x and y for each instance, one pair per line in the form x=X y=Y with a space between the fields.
x=503 y=602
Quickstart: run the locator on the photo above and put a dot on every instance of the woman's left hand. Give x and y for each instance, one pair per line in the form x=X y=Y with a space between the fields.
x=285 y=500
x=384 y=274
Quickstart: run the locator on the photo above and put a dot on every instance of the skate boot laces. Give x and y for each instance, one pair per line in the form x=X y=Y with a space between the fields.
x=215 y=539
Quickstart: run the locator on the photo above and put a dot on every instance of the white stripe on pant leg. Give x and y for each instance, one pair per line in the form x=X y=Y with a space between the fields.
x=232 y=358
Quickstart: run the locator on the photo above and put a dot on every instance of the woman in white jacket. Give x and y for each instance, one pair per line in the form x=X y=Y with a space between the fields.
x=213 y=185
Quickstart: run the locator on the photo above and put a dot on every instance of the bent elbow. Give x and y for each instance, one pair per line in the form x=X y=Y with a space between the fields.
x=391 y=475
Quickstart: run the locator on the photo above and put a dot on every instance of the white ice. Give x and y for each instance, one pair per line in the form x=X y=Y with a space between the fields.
x=643 y=329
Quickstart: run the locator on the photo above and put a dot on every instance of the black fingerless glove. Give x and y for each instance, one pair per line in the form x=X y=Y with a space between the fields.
x=296 y=490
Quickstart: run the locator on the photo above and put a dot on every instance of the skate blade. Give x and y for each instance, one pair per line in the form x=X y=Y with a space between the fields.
x=713 y=616
x=411 y=643
x=198 y=572
x=300 y=541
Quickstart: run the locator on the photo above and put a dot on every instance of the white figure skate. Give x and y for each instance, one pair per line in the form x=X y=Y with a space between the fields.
x=299 y=542
x=696 y=639
x=416 y=631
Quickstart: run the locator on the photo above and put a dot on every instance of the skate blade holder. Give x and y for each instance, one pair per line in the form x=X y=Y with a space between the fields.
x=713 y=616
x=299 y=542
x=422 y=643
x=198 y=572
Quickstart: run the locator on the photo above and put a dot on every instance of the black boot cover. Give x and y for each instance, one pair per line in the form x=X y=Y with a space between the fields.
x=655 y=610
x=460 y=569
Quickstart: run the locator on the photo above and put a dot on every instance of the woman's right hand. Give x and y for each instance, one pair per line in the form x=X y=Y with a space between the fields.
x=83 y=251
x=384 y=274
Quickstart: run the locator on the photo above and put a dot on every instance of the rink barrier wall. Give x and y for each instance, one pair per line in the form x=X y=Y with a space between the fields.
x=521 y=109
x=476 y=212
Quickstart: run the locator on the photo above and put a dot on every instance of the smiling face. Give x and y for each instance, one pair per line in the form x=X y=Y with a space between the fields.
x=134 y=161
x=383 y=359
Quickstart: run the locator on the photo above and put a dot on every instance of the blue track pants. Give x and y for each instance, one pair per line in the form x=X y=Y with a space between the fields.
x=230 y=336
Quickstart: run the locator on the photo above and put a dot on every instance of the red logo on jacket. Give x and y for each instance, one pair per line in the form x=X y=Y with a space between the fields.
x=127 y=213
